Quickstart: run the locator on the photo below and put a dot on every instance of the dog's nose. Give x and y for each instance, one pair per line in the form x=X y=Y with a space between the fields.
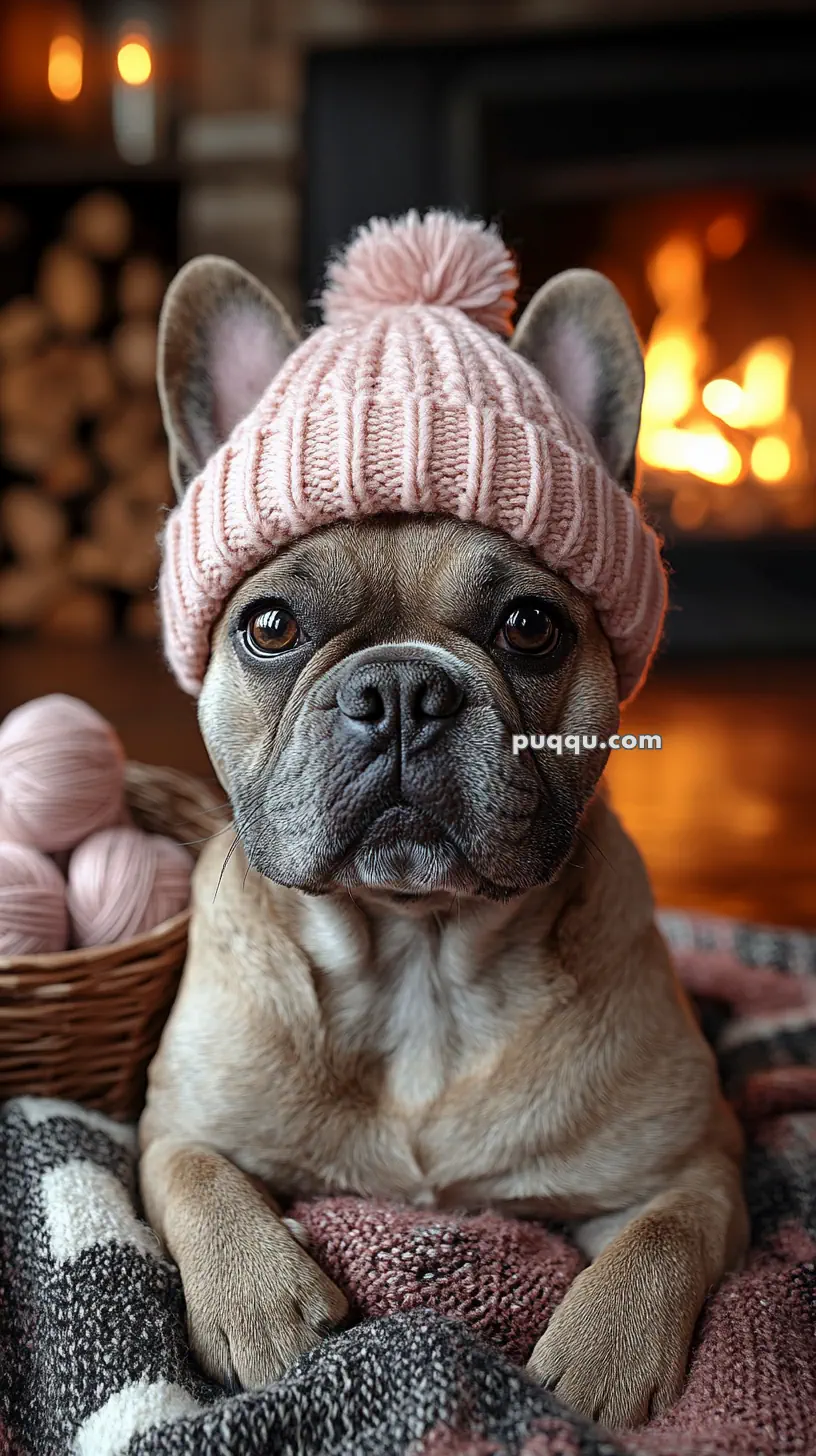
x=412 y=699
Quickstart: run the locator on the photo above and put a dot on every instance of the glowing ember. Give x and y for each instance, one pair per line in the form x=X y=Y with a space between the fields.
x=770 y=459
x=725 y=236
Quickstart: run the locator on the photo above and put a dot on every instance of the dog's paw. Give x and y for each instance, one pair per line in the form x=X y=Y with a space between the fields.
x=254 y=1308
x=609 y=1357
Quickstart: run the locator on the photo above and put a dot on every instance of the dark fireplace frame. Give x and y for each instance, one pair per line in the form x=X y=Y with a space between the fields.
x=388 y=128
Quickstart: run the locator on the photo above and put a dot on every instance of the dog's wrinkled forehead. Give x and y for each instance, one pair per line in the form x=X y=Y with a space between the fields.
x=408 y=575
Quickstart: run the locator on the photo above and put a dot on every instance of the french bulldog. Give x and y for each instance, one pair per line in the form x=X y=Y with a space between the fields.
x=425 y=968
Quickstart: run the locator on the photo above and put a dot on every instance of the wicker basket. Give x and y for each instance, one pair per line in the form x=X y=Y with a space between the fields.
x=84 y=1024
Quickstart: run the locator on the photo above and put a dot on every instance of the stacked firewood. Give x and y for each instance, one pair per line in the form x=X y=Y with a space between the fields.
x=82 y=456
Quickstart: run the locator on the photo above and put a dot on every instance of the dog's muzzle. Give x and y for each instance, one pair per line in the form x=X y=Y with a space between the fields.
x=398 y=772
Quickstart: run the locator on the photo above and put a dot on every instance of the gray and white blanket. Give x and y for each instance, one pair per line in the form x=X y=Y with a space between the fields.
x=445 y=1308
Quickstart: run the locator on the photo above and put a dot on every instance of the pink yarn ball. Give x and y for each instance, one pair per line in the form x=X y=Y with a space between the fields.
x=122 y=882
x=61 y=774
x=33 y=911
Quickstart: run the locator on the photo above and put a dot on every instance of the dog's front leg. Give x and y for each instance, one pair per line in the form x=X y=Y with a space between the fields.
x=616 y=1349
x=255 y=1299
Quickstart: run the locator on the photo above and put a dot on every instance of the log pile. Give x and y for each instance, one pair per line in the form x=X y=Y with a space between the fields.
x=83 y=465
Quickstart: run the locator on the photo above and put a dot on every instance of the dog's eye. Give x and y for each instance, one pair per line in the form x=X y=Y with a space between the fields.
x=272 y=630
x=530 y=627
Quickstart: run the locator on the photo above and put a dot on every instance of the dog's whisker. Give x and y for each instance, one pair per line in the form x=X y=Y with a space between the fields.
x=588 y=840
x=206 y=838
x=586 y=844
x=227 y=859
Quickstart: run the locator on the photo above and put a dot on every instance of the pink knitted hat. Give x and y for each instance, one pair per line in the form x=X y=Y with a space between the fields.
x=409 y=399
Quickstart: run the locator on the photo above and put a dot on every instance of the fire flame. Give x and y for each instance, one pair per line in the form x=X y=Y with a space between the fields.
x=718 y=429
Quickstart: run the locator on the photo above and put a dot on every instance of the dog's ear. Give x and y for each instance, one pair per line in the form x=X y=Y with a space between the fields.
x=222 y=338
x=578 y=331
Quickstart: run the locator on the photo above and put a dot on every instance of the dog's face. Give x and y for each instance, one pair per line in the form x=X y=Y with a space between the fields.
x=365 y=686
x=361 y=700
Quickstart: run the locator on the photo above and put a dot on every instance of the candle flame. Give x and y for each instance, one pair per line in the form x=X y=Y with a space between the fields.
x=134 y=61
x=65 y=61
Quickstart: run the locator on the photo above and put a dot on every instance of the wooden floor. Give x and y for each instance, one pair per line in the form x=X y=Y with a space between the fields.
x=724 y=813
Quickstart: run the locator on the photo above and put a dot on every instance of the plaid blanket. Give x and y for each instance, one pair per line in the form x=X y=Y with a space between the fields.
x=93 y=1358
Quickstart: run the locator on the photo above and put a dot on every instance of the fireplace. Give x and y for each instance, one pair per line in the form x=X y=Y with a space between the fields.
x=680 y=161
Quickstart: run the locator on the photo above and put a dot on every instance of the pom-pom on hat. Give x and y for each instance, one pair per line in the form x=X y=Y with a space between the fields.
x=408 y=398
x=440 y=261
